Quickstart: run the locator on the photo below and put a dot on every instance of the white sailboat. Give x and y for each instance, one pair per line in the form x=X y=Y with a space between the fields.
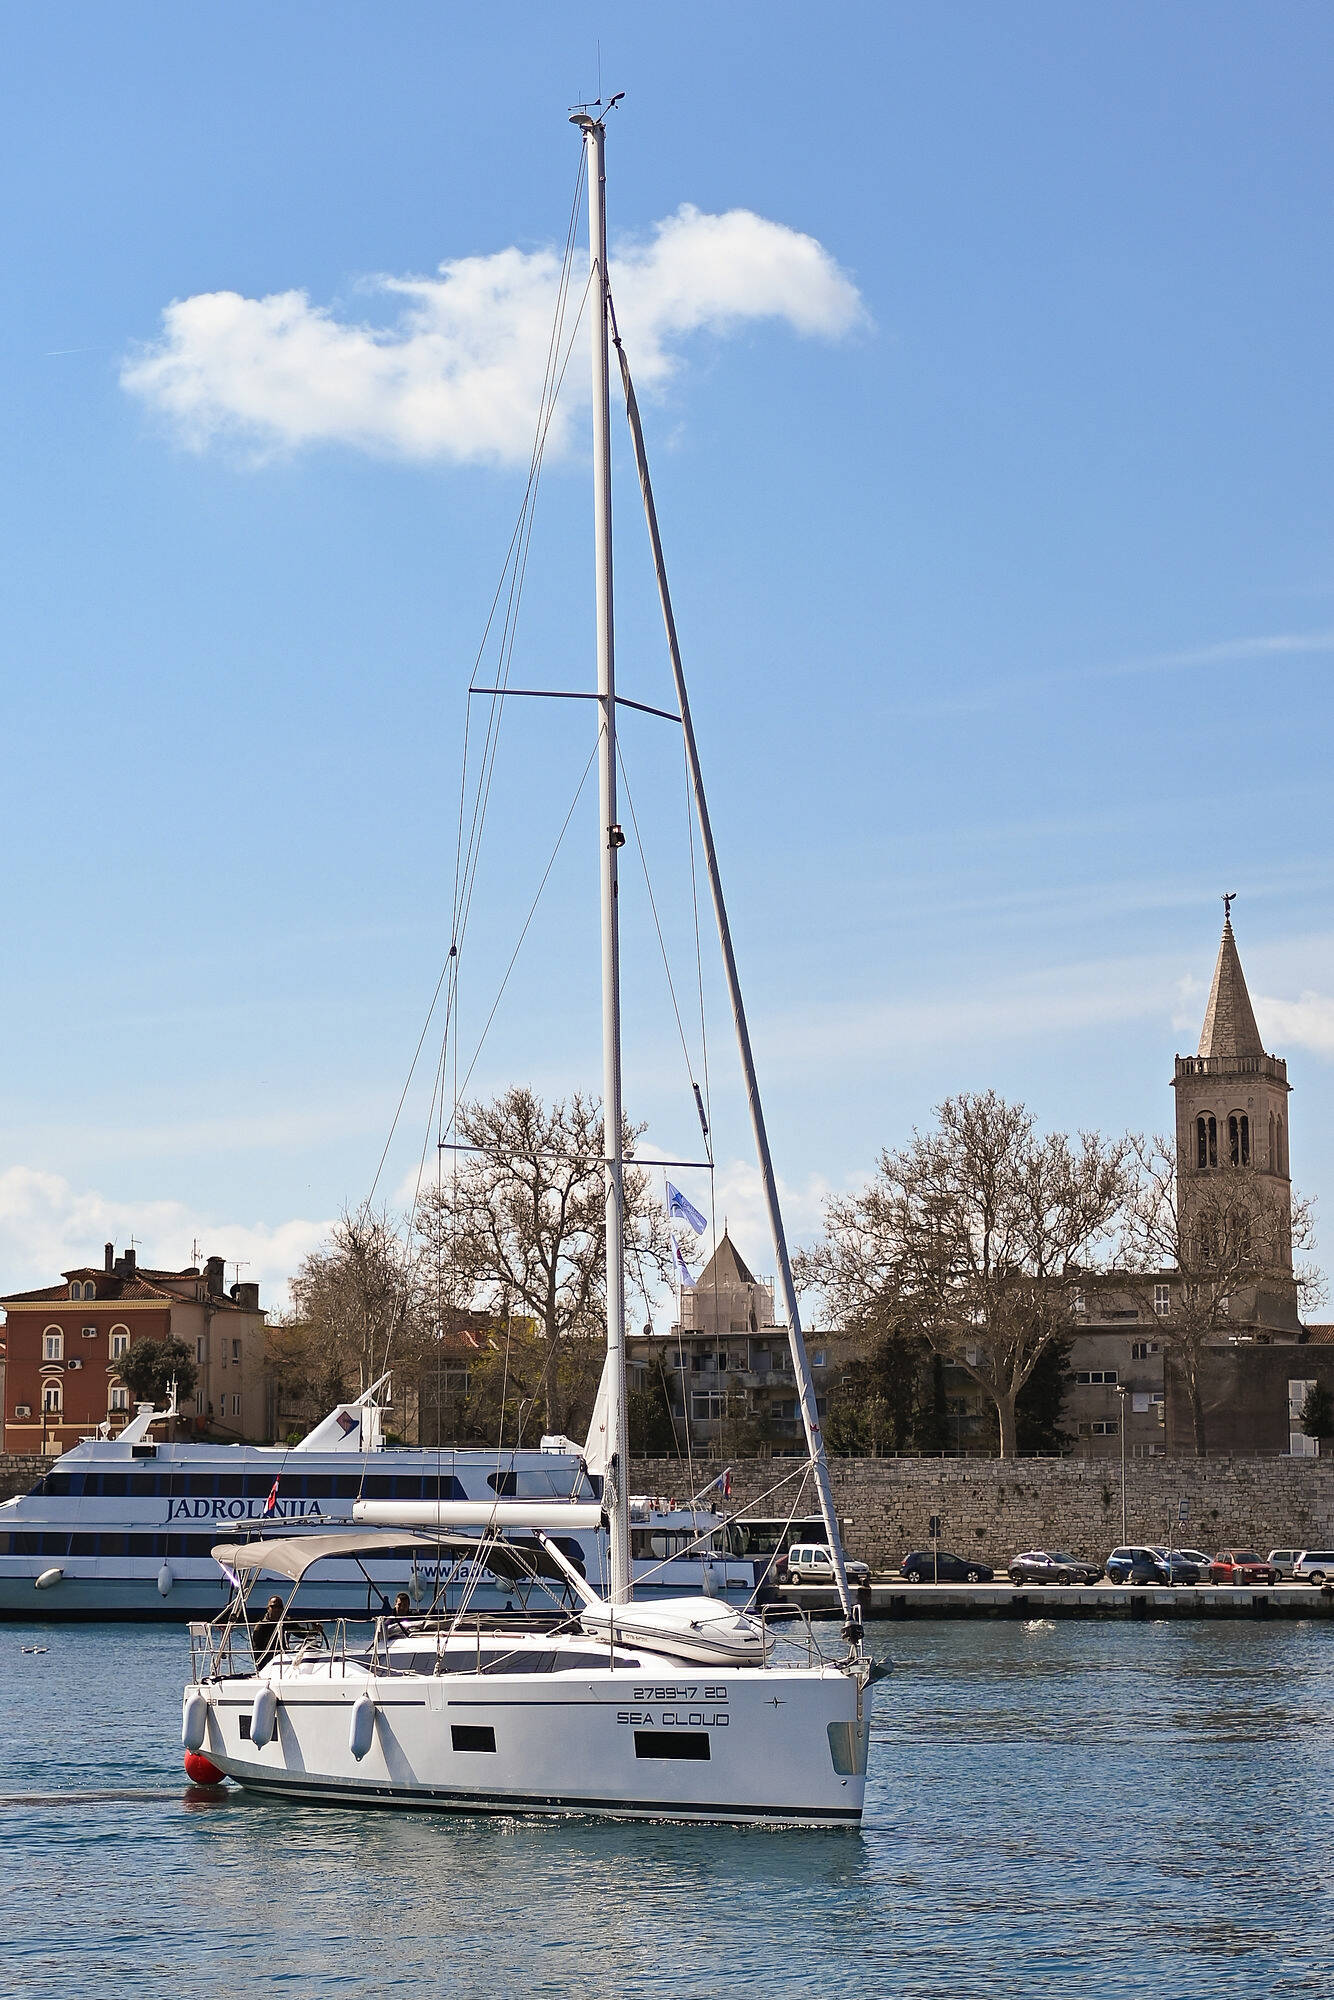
x=609 y=1704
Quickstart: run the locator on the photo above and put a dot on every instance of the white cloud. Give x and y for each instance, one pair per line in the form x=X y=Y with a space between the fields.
x=457 y=373
x=47 y=1226
x=1306 y=1023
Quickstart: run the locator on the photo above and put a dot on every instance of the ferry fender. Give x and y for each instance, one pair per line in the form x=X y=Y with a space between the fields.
x=201 y=1770
x=361 y=1731
x=194 y=1721
x=165 y=1580
x=47 y=1578
x=263 y=1717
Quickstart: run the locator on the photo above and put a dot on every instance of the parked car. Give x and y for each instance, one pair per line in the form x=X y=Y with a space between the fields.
x=812 y=1562
x=1052 y=1566
x=1196 y=1556
x=1283 y=1560
x=1242 y=1566
x=938 y=1565
x=1314 y=1566
x=1143 y=1565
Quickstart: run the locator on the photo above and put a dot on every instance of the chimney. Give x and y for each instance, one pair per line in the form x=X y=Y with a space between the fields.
x=109 y=1258
x=215 y=1276
x=246 y=1296
x=123 y=1266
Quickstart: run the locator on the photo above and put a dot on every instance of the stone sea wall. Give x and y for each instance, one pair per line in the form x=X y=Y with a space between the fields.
x=18 y=1473
x=993 y=1508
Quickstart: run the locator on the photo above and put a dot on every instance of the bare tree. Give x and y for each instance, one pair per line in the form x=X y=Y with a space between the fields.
x=1231 y=1240
x=358 y=1304
x=517 y=1228
x=969 y=1234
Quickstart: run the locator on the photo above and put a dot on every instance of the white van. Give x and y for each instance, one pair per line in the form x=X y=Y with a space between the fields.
x=1282 y=1560
x=1314 y=1566
x=812 y=1562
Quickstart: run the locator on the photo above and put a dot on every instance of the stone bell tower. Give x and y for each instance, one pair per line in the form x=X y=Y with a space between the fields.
x=1232 y=1119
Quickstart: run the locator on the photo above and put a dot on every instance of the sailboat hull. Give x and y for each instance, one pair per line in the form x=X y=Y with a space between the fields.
x=769 y=1747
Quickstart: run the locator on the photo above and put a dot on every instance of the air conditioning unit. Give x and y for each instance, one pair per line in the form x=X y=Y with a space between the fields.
x=74 y=1361
x=22 y=1410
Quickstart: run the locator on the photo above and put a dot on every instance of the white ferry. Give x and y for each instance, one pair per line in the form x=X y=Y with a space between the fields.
x=122 y=1527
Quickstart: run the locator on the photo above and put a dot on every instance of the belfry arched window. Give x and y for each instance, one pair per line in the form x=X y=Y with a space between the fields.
x=1282 y=1147
x=1273 y=1156
x=1239 y=1139
x=1206 y=1141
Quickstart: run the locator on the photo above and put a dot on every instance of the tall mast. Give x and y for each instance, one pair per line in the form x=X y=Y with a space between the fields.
x=612 y=840
x=800 y=1366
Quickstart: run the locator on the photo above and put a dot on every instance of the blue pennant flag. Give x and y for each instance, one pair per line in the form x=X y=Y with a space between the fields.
x=682 y=1268
x=679 y=1209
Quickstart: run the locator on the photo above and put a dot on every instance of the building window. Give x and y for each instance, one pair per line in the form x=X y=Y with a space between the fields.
x=1282 y=1149
x=1106 y=1376
x=1225 y=1308
x=818 y=1358
x=236 y=1406
x=119 y=1398
x=120 y=1341
x=1105 y=1427
x=1140 y=1350
x=236 y=1350
x=1078 y=1303
x=199 y=1402
x=707 y=1408
x=1239 y=1139
x=52 y=1398
x=199 y=1350
x=1162 y=1300
x=53 y=1344
x=1206 y=1141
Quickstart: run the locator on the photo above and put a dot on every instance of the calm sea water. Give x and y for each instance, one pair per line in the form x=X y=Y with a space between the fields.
x=1072 y=1810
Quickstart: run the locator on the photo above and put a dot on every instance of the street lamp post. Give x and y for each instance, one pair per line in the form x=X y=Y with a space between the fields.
x=1123 y=1392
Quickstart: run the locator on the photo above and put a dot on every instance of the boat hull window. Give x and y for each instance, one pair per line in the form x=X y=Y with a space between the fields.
x=690 y=1744
x=472 y=1736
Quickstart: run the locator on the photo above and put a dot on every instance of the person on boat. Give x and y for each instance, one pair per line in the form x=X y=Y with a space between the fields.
x=265 y=1634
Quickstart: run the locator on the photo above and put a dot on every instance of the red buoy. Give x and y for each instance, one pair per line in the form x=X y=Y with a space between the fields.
x=201 y=1770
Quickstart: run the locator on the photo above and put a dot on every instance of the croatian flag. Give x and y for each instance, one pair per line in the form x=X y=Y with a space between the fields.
x=679 y=1209
x=272 y=1500
x=682 y=1268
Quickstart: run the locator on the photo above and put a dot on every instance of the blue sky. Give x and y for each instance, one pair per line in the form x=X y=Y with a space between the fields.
x=1006 y=582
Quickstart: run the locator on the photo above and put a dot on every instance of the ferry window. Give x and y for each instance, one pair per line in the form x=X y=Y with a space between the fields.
x=527 y=1483
x=53 y=1344
x=51 y=1396
x=471 y=1736
x=120 y=1341
x=55 y=1483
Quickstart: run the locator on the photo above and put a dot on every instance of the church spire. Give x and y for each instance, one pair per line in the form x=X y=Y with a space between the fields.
x=1229 y=1029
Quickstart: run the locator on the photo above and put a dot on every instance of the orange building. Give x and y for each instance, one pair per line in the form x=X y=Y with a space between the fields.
x=62 y=1344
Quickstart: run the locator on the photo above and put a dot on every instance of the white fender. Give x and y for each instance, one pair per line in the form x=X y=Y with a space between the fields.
x=361 y=1731
x=263 y=1717
x=194 y=1722
x=47 y=1578
x=165 y=1580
